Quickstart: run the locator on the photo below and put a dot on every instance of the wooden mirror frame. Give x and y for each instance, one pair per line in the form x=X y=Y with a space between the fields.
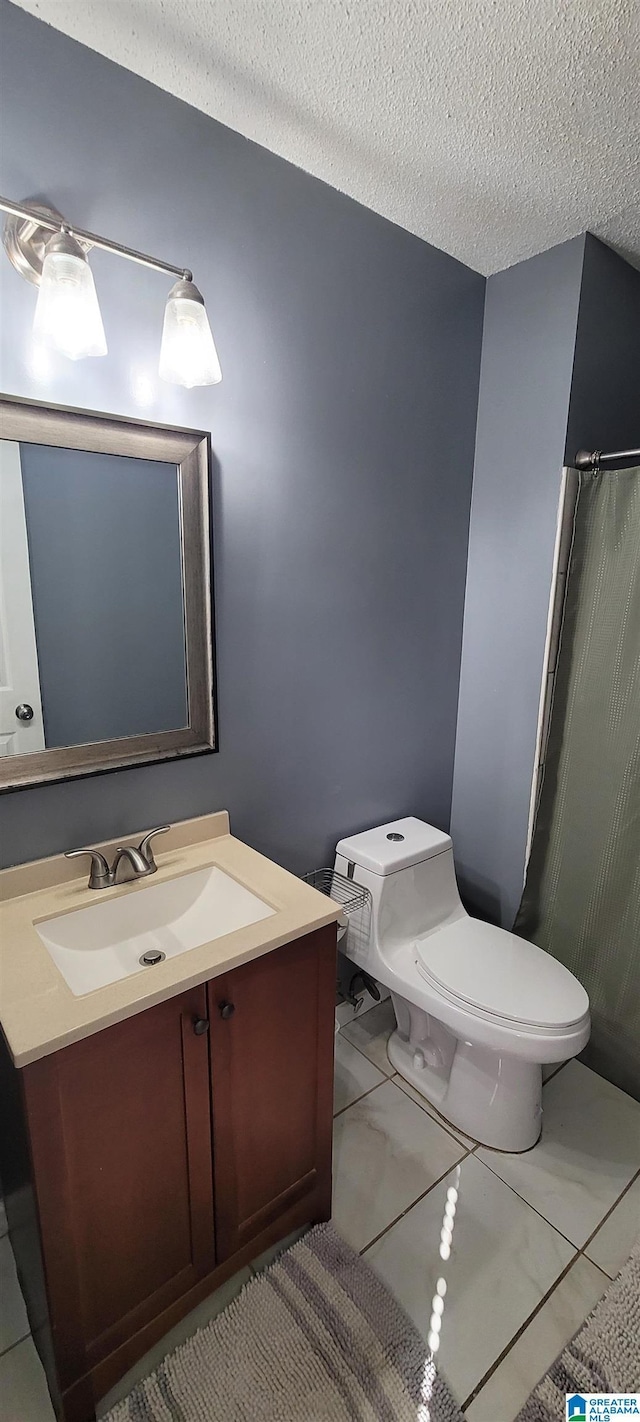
x=190 y=451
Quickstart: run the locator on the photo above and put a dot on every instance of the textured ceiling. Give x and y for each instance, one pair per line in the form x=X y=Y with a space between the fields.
x=492 y=128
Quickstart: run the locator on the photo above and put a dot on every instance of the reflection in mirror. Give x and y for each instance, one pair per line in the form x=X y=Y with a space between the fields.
x=92 y=632
x=106 y=597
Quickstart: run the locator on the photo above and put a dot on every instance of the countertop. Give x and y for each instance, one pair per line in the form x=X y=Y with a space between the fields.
x=39 y=1013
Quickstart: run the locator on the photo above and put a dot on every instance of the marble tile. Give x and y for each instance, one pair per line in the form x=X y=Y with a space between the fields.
x=371 y=1033
x=426 y=1106
x=539 y=1345
x=198 y=1318
x=26 y=1244
x=354 y=1074
x=589 y=1150
x=21 y=1207
x=502 y=1260
x=386 y=1153
x=14 y=1323
x=611 y=1246
x=24 y=1396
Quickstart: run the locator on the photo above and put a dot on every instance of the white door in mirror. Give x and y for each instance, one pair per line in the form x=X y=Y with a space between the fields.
x=106 y=941
x=21 y=723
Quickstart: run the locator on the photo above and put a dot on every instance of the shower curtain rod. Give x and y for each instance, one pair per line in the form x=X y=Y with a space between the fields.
x=585 y=460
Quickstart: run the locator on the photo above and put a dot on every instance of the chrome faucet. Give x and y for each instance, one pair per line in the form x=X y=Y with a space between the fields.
x=141 y=860
x=140 y=865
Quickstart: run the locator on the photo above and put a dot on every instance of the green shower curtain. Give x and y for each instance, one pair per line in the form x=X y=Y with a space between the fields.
x=582 y=894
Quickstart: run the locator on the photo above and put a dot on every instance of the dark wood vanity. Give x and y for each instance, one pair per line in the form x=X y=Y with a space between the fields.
x=151 y=1160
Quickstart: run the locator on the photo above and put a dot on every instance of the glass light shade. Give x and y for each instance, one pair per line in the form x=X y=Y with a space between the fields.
x=67 y=312
x=188 y=355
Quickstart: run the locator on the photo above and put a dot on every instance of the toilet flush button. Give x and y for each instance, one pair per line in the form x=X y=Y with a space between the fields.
x=397 y=838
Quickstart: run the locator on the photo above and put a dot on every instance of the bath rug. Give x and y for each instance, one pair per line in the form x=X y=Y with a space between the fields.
x=315 y=1338
x=604 y=1355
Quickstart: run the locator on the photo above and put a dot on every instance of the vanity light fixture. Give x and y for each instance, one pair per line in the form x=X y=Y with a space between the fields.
x=47 y=251
x=188 y=355
x=67 y=310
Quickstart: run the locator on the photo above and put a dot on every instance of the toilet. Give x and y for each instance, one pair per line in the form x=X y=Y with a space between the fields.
x=478 y=1010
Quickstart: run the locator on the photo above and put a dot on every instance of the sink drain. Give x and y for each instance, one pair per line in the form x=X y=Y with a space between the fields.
x=151 y=957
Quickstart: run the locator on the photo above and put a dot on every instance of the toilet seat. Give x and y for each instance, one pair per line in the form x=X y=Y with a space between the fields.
x=497 y=976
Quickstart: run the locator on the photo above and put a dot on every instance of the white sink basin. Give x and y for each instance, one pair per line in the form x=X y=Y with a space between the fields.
x=97 y=945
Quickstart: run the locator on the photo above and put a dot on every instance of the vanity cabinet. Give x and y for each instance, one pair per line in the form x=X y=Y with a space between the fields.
x=120 y=1134
x=272 y=1109
x=166 y=1152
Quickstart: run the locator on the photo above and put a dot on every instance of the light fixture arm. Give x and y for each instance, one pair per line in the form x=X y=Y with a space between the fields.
x=20 y=209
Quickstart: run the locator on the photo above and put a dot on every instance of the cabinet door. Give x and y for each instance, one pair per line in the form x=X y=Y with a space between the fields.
x=272 y=1085
x=121 y=1142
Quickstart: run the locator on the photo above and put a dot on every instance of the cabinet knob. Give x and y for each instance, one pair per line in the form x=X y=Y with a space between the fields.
x=200 y=1026
x=226 y=1010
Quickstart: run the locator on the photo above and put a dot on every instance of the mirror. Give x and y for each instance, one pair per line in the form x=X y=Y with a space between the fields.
x=105 y=595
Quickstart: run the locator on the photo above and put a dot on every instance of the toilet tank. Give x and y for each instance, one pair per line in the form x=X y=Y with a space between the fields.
x=407 y=865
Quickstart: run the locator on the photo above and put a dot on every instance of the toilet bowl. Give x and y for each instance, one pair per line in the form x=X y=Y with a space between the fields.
x=478 y=1010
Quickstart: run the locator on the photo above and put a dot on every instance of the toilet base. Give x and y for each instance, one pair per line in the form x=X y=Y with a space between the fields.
x=493 y=1098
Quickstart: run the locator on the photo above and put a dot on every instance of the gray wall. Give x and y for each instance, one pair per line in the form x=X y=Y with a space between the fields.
x=604 y=412
x=343 y=434
x=560 y=370
x=106 y=582
x=531 y=315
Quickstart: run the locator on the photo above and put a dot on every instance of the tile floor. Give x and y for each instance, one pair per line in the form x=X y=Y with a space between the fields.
x=539 y=1235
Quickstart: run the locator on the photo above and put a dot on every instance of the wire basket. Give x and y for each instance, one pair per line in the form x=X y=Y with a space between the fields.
x=352 y=897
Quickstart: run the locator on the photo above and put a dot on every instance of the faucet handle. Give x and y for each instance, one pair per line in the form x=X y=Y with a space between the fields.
x=145 y=847
x=100 y=876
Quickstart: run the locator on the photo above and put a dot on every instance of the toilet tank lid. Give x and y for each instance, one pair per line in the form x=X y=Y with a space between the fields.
x=397 y=845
